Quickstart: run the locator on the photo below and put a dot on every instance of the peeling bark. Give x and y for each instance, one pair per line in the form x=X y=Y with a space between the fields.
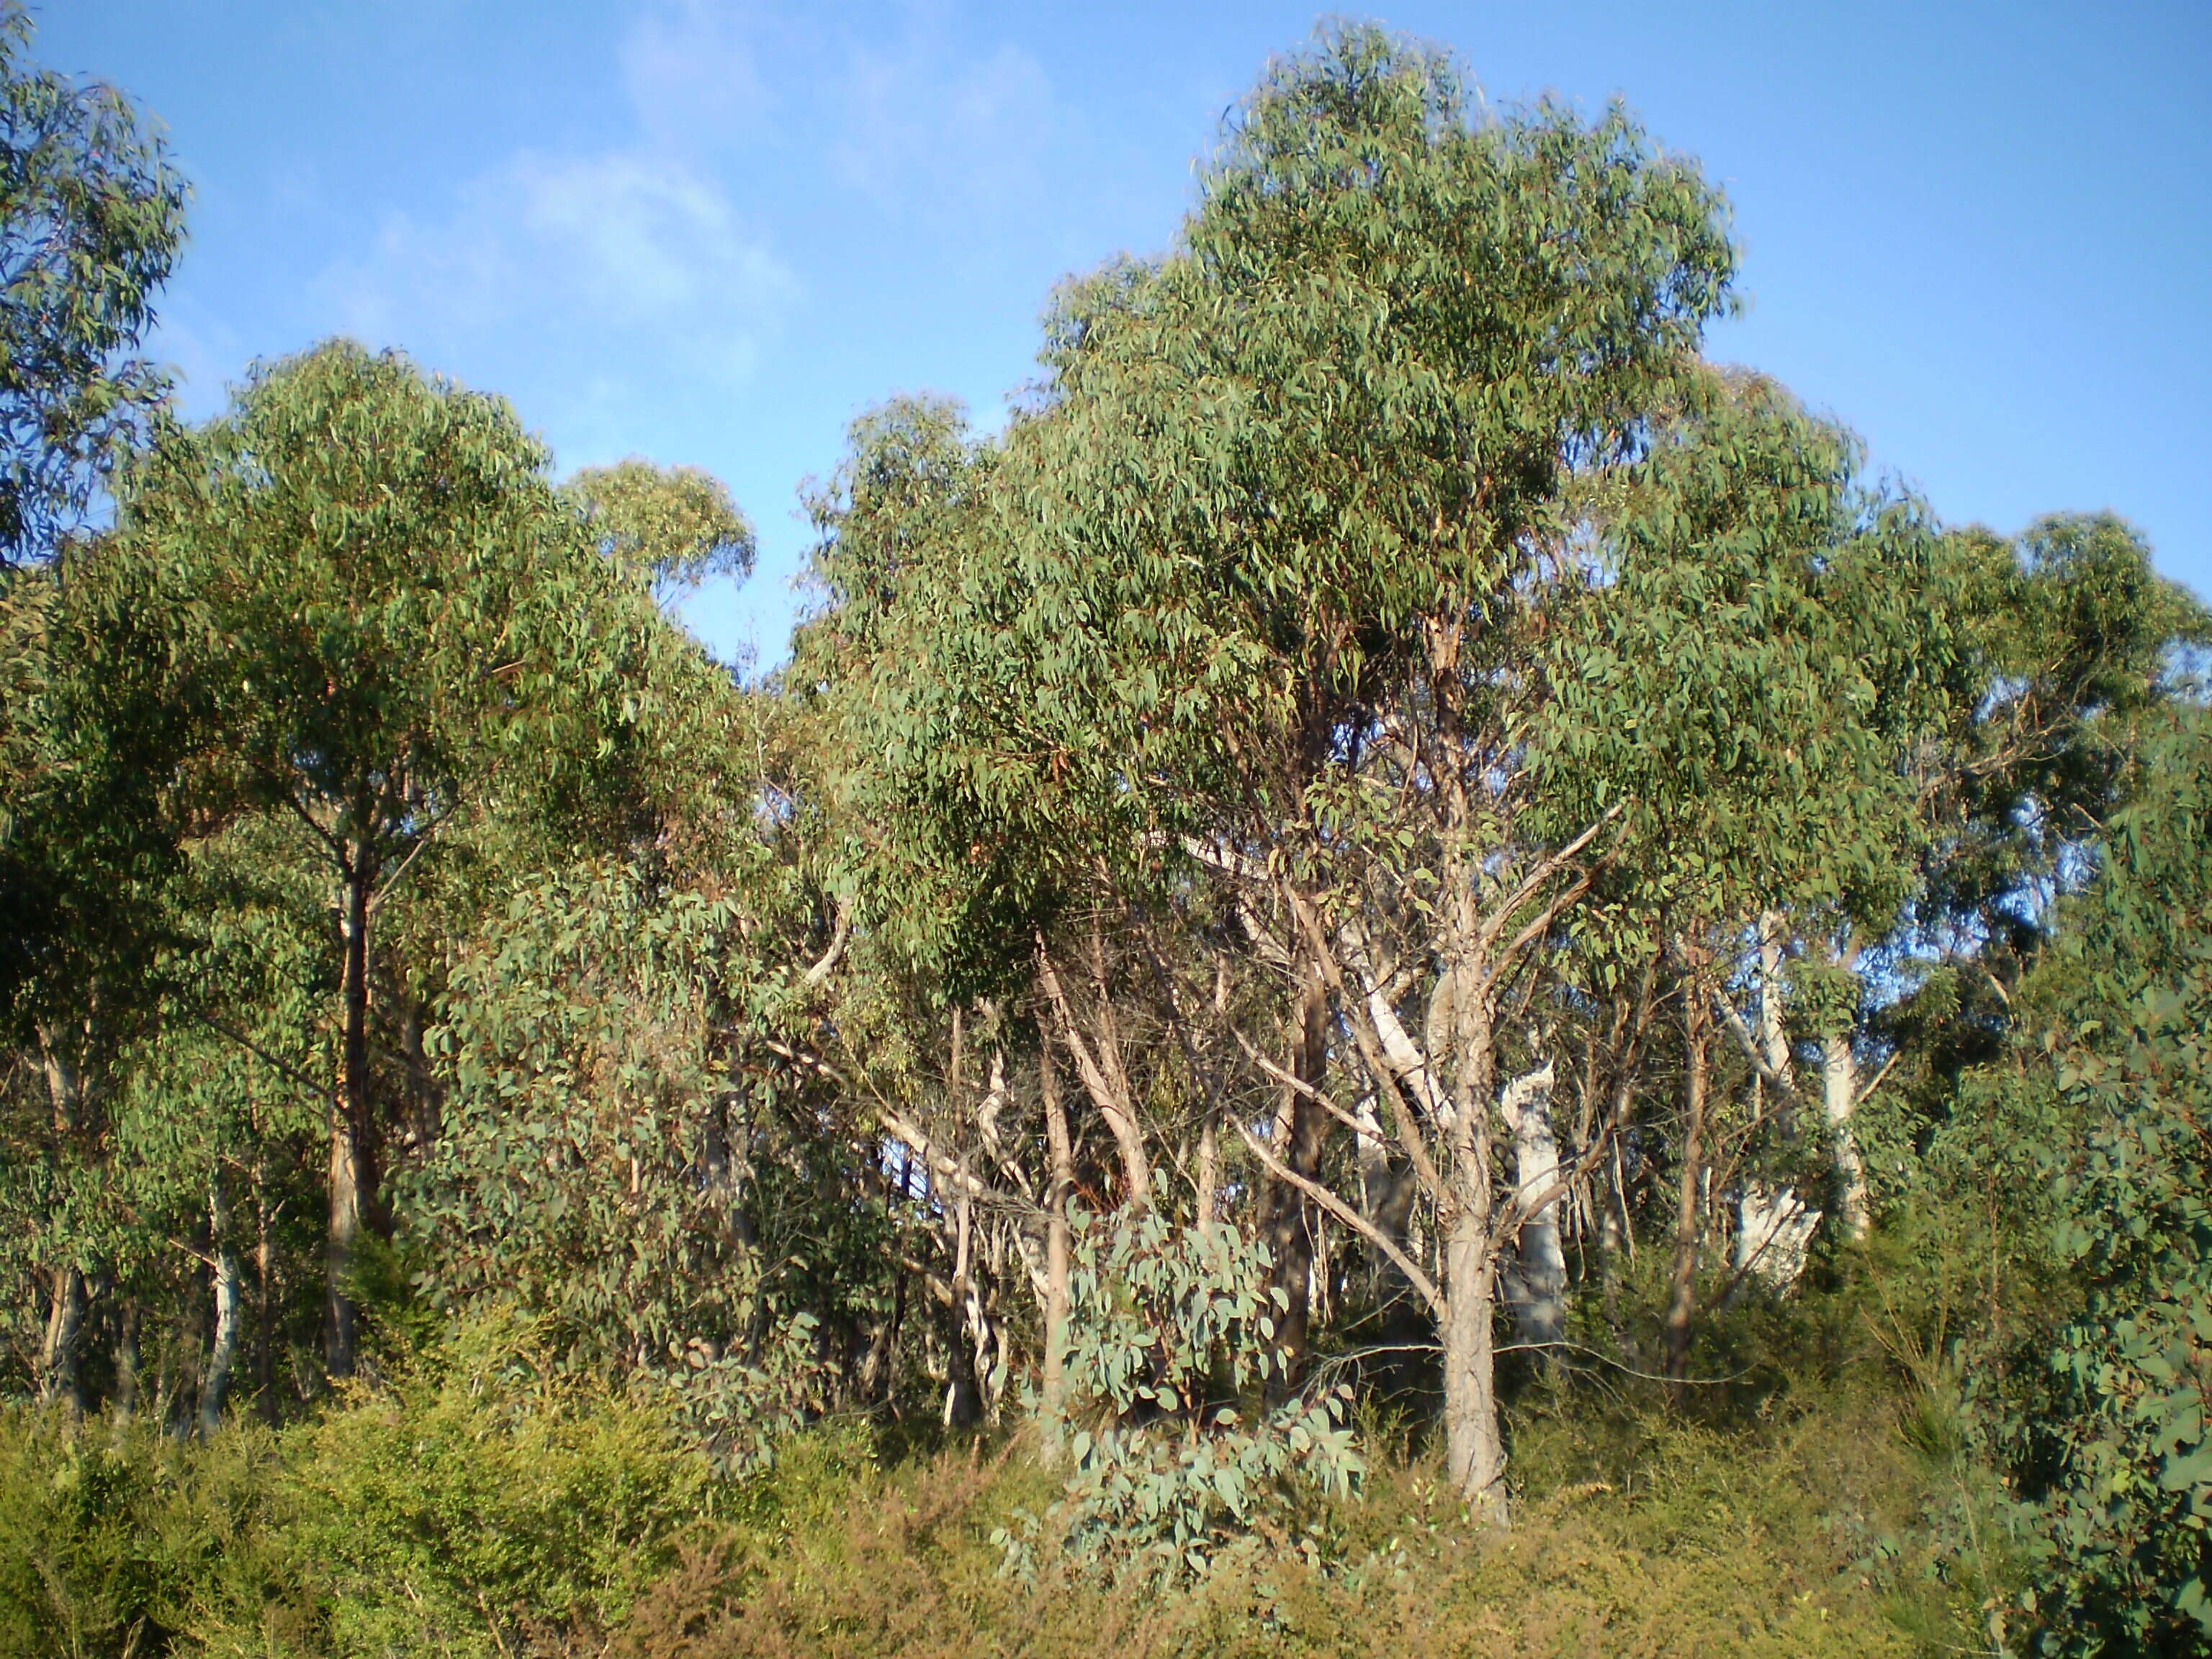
x=229 y=1292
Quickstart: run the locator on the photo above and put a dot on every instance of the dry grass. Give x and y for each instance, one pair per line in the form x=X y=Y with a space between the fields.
x=1652 y=1539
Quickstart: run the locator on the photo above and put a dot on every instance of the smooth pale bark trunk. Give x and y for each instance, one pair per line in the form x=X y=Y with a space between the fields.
x=1208 y=1195
x=1301 y=1132
x=61 y=1371
x=1839 y=1099
x=1773 y=1042
x=960 y=1394
x=1387 y=1190
x=1474 y=1449
x=1536 y=1287
x=1612 y=1244
x=1774 y=1227
x=1682 y=1301
x=1062 y=1151
x=264 y=1296
x=229 y=1292
x=1773 y=1233
x=350 y=1175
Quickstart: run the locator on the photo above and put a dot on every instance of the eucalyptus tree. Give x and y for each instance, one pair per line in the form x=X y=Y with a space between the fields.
x=2081 y=1141
x=1320 y=449
x=952 y=905
x=216 y=1107
x=1275 y=569
x=92 y=813
x=388 y=619
x=2078 y=644
x=670 y=527
x=1809 y=633
x=91 y=219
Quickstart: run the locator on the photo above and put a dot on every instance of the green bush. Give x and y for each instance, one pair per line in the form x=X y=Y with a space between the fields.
x=483 y=1503
x=116 y=1540
x=1171 y=1342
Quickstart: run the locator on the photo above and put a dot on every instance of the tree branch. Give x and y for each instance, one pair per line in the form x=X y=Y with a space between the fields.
x=1352 y=1218
x=1782 y=1082
x=839 y=934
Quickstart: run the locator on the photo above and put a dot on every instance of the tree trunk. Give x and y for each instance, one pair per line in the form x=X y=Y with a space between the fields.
x=1683 y=1303
x=351 y=1176
x=1536 y=1285
x=264 y=1292
x=1474 y=1449
x=1773 y=1042
x=222 y=1351
x=1773 y=1231
x=1614 y=1240
x=961 y=1355
x=126 y=1361
x=61 y=1380
x=1387 y=1187
x=1104 y=1078
x=1301 y=1131
x=1059 y=1188
x=1839 y=1098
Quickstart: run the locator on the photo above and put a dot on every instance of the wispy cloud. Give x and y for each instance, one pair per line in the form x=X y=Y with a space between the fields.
x=913 y=114
x=922 y=126
x=693 y=71
x=612 y=246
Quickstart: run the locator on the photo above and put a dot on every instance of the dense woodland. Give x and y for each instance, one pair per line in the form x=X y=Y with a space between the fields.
x=1410 y=972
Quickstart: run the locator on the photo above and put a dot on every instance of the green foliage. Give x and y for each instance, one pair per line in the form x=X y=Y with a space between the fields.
x=91 y=219
x=483 y=1498
x=1170 y=1347
x=117 y=1543
x=2113 y=1437
x=479 y=1503
x=592 y=1046
x=1766 y=646
x=1380 y=688
x=370 y=589
x=1637 y=1534
x=671 y=526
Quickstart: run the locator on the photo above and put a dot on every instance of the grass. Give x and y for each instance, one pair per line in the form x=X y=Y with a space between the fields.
x=484 y=1510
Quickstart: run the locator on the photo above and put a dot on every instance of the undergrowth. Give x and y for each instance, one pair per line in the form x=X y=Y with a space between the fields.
x=478 y=1507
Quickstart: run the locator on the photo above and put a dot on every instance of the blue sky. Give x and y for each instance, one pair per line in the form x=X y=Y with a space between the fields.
x=712 y=231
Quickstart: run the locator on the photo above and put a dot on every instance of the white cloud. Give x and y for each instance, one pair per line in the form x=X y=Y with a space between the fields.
x=906 y=110
x=693 y=73
x=625 y=248
x=921 y=127
x=608 y=289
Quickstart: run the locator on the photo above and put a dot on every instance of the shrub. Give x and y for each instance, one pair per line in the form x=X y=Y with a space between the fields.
x=115 y=1541
x=1171 y=1340
x=484 y=1504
